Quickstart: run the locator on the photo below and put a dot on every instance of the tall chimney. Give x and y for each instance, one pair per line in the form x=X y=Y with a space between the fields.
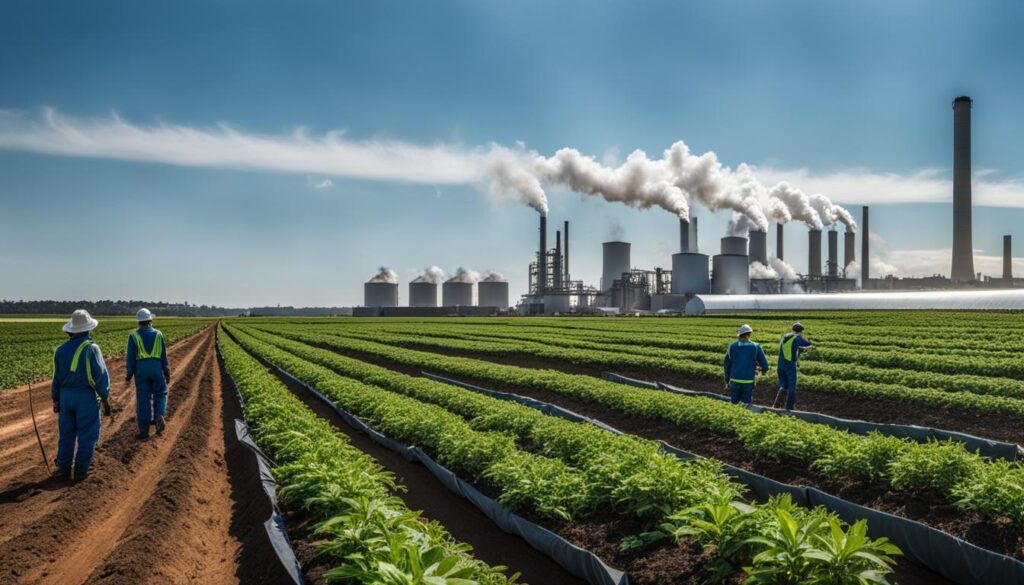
x=849 y=253
x=694 y=246
x=684 y=236
x=865 y=258
x=542 y=256
x=963 y=253
x=556 y=270
x=1007 y=259
x=758 y=247
x=814 y=253
x=565 y=262
x=833 y=253
x=778 y=241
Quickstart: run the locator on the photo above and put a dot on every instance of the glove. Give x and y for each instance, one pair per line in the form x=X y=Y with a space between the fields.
x=167 y=376
x=56 y=406
x=106 y=406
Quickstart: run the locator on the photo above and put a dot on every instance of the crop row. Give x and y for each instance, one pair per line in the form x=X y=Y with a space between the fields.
x=701 y=370
x=365 y=528
x=622 y=473
x=30 y=358
x=945 y=469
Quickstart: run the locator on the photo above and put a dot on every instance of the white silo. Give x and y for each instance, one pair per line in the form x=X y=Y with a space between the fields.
x=730 y=271
x=493 y=291
x=458 y=290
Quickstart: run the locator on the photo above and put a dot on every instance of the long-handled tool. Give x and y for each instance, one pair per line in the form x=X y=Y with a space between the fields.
x=32 y=408
x=777 y=396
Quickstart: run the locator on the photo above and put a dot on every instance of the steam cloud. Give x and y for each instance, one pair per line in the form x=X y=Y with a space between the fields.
x=494 y=277
x=385 y=274
x=433 y=275
x=675 y=182
x=465 y=276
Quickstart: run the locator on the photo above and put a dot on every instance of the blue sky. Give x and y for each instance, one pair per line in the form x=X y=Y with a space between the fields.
x=850 y=100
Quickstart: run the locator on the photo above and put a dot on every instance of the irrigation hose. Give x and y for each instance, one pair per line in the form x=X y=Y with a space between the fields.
x=35 y=427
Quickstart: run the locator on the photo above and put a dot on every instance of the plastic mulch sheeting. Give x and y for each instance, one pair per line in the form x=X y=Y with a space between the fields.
x=580 y=562
x=984 y=447
x=955 y=559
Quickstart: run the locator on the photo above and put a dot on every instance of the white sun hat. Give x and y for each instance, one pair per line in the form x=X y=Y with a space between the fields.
x=143 y=315
x=80 y=322
x=744 y=329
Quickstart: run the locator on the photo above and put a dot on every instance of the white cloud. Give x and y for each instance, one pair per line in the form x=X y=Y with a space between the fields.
x=863 y=186
x=915 y=263
x=325 y=184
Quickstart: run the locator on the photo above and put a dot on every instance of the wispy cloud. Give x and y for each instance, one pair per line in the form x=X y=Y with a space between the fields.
x=866 y=187
x=324 y=184
x=885 y=260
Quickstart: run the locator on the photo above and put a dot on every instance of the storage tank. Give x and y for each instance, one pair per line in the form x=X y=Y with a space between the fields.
x=814 y=253
x=492 y=291
x=759 y=247
x=690 y=274
x=734 y=245
x=380 y=294
x=422 y=293
x=456 y=293
x=730 y=274
x=616 y=261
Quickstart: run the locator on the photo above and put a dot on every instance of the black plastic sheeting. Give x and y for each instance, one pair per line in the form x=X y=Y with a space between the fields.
x=984 y=447
x=955 y=559
x=578 y=561
x=276 y=531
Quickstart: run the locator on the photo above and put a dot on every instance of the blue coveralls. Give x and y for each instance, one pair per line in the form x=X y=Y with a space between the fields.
x=150 y=385
x=79 y=413
x=741 y=360
x=787 y=367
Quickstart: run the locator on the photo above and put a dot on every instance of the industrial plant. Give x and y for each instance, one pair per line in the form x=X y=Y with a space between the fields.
x=742 y=265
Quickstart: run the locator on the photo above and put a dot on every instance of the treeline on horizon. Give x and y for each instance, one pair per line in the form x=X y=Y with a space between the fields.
x=160 y=309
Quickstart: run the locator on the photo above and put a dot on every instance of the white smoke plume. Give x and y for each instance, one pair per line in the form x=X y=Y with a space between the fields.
x=464 y=275
x=758 y=270
x=432 y=274
x=740 y=225
x=492 y=276
x=776 y=269
x=385 y=274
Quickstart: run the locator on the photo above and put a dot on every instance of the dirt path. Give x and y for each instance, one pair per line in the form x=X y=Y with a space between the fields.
x=161 y=511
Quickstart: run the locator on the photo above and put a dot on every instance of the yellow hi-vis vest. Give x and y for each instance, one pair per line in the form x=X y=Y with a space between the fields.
x=88 y=364
x=141 y=353
x=787 y=348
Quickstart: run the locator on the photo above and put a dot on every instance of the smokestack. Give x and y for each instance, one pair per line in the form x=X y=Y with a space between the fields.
x=759 y=247
x=833 y=253
x=565 y=264
x=849 y=243
x=814 y=253
x=963 y=253
x=684 y=236
x=557 y=268
x=542 y=257
x=778 y=241
x=694 y=247
x=865 y=258
x=1007 y=259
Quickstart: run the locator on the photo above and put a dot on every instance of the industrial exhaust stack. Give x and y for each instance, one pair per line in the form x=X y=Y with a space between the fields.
x=849 y=251
x=778 y=241
x=542 y=257
x=759 y=247
x=1007 y=259
x=963 y=252
x=833 y=253
x=865 y=258
x=814 y=253
x=684 y=236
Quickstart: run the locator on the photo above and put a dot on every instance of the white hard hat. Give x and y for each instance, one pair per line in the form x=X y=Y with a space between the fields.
x=80 y=322
x=744 y=329
x=143 y=315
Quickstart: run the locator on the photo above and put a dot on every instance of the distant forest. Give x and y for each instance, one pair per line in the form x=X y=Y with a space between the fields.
x=126 y=308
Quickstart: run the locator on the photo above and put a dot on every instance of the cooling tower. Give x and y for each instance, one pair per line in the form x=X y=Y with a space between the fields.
x=690 y=274
x=865 y=264
x=849 y=251
x=616 y=261
x=814 y=253
x=778 y=241
x=734 y=245
x=380 y=294
x=457 y=294
x=492 y=294
x=1007 y=258
x=759 y=247
x=422 y=294
x=833 y=253
x=730 y=275
x=963 y=254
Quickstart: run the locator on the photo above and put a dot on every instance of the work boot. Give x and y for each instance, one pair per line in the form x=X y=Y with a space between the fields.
x=61 y=474
x=160 y=424
x=142 y=436
x=81 y=477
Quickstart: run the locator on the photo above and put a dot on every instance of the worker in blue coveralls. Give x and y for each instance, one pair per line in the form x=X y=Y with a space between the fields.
x=743 y=361
x=147 y=361
x=790 y=347
x=79 y=378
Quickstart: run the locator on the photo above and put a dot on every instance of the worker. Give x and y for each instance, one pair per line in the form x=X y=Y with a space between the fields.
x=743 y=361
x=79 y=377
x=790 y=347
x=147 y=361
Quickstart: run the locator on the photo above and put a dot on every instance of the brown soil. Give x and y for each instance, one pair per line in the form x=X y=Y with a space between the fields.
x=928 y=510
x=1000 y=427
x=168 y=510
